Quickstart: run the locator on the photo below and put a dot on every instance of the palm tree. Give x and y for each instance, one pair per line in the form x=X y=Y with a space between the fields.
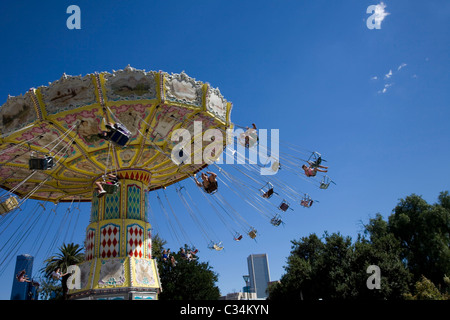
x=69 y=254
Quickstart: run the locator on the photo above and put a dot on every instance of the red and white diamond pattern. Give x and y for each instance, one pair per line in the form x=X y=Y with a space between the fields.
x=89 y=244
x=109 y=242
x=135 y=240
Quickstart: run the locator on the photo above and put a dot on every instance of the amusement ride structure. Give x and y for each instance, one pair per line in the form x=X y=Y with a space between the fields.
x=114 y=139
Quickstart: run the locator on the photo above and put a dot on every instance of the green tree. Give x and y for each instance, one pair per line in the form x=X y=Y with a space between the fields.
x=334 y=268
x=424 y=234
x=379 y=247
x=426 y=290
x=333 y=275
x=412 y=247
x=69 y=254
x=157 y=245
x=184 y=279
x=50 y=289
x=300 y=271
x=316 y=270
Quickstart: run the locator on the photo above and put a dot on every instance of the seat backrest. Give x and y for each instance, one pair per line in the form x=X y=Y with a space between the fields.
x=324 y=185
x=275 y=221
x=8 y=205
x=306 y=203
x=111 y=188
x=120 y=127
x=212 y=187
x=120 y=137
x=37 y=164
x=12 y=202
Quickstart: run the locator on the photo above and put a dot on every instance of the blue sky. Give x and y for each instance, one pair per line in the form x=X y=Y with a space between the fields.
x=374 y=102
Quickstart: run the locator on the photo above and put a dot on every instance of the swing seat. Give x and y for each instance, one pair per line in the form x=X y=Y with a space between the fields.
x=268 y=194
x=283 y=206
x=306 y=203
x=252 y=234
x=212 y=188
x=215 y=246
x=317 y=162
x=315 y=159
x=8 y=205
x=276 y=166
x=120 y=135
x=211 y=191
x=324 y=185
x=267 y=190
x=238 y=237
x=111 y=188
x=249 y=138
x=275 y=221
x=41 y=163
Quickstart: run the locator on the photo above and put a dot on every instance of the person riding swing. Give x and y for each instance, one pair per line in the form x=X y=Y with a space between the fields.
x=117 y=133
x=209 y=183
x=312 y=170
x=101 y=185
x=22 y=277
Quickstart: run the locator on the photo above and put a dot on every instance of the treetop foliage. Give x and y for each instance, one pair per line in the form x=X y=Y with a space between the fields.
x=411 y=249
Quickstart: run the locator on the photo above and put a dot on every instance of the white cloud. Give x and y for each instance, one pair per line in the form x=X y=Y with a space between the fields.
x=374 y=78
x=388 y=75
x=380 y=13
x=386 y=86
x=401 y=66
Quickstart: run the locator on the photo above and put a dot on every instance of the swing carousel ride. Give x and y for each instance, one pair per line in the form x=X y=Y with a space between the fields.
x=61 y=143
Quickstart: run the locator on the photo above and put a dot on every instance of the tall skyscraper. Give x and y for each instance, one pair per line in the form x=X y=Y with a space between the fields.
x=23 y=290
x=258 y=270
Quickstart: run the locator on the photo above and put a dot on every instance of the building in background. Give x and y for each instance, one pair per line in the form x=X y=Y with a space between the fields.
x=23 y=290
x=239 y=296
x=259 y=274
x=256 y=282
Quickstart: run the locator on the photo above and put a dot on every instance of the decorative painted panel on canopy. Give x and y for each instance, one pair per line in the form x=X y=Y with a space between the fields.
x=65 y=120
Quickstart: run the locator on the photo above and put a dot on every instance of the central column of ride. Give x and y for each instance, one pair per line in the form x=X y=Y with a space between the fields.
x=118 y=248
